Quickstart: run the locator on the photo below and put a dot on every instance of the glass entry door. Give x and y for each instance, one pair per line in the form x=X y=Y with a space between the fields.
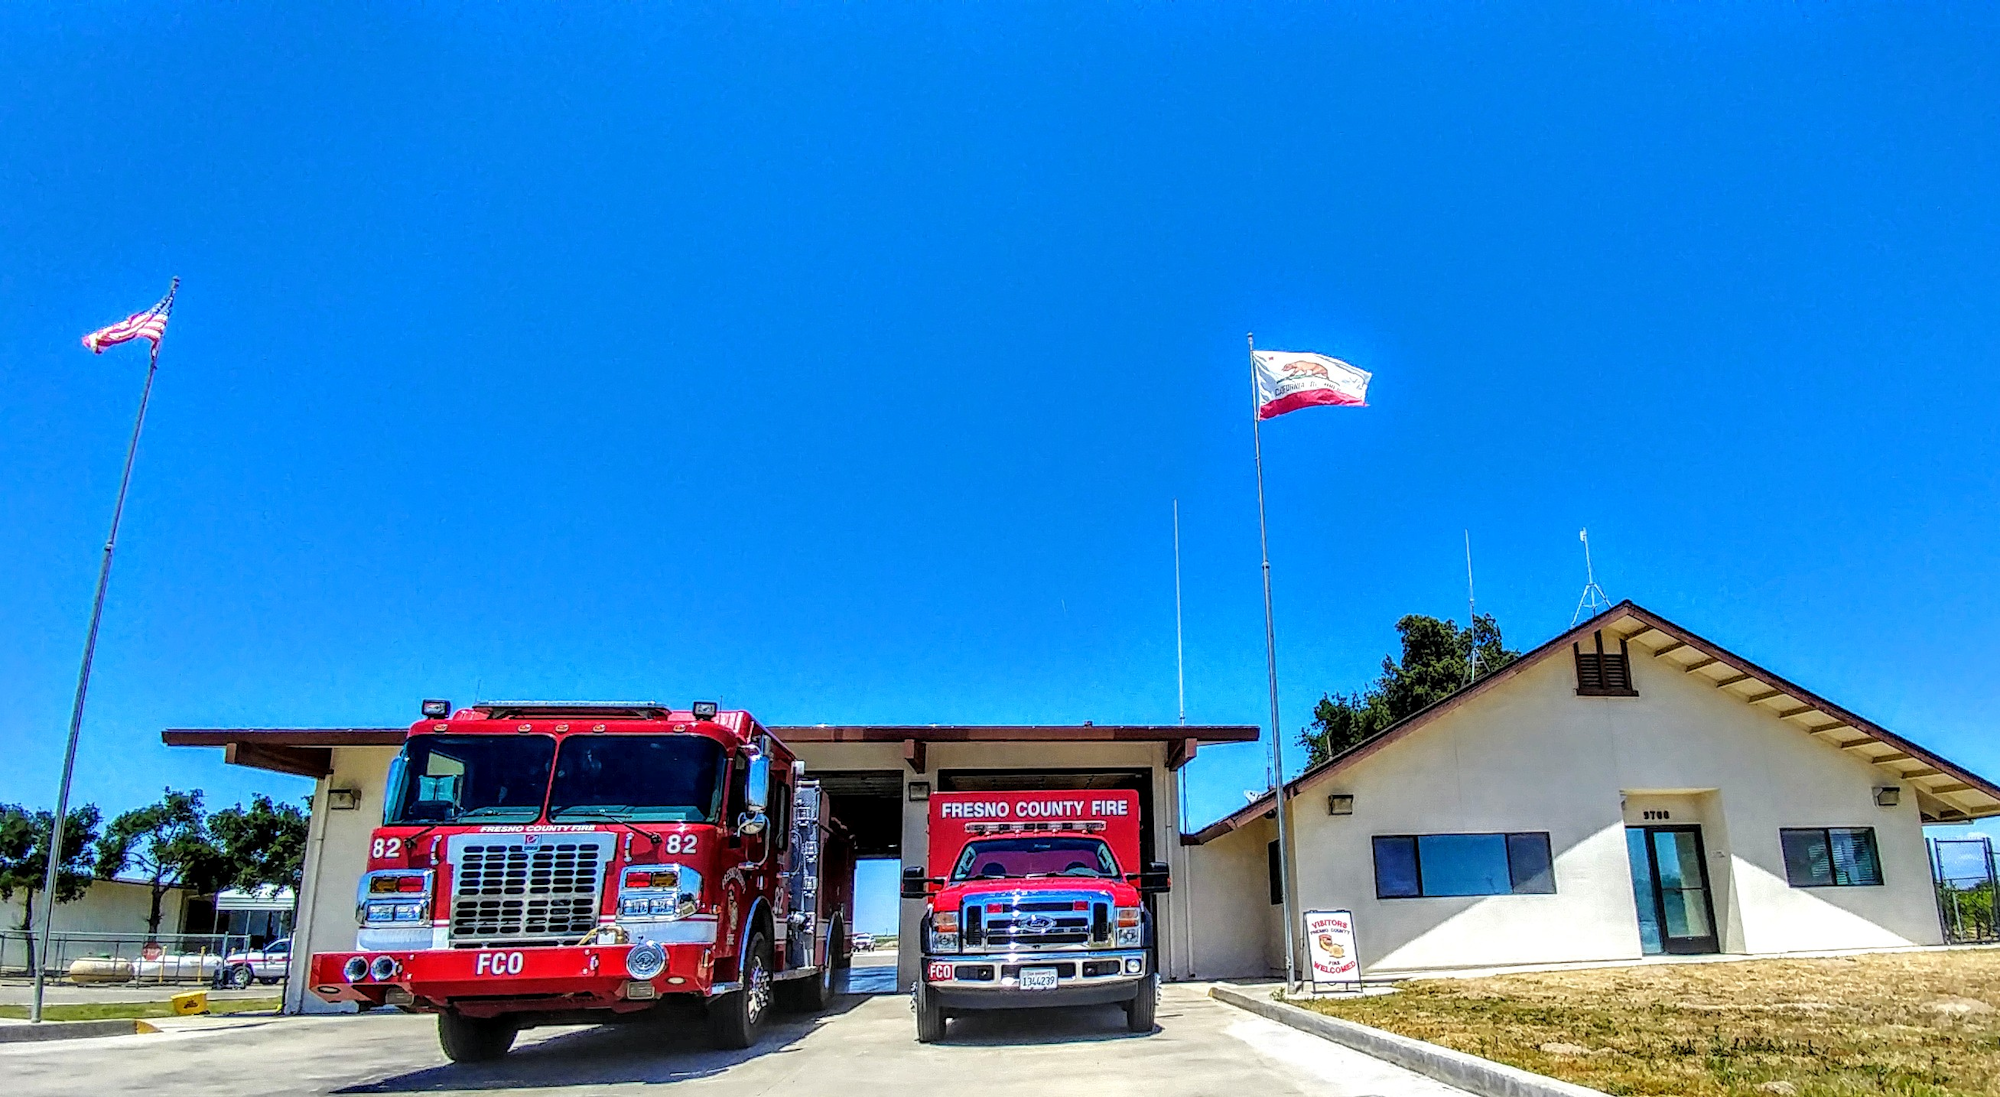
x=1670 y=885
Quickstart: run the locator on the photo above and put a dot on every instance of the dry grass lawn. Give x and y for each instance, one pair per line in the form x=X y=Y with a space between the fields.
x=1909 y=1024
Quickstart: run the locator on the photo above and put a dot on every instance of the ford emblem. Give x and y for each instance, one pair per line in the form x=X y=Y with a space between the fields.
x=1040 y=923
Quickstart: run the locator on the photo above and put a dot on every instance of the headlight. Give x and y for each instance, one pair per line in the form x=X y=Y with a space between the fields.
x=645 y=960
x=1129 y=930
x=384 y=968
x=944 y=931
x=394 y=897
x=944 y=942
x=355 y=969
x=660 y=892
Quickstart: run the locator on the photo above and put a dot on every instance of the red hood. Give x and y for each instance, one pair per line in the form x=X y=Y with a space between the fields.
x=1119 y=893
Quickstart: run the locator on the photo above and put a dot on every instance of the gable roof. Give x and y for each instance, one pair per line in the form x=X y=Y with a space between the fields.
x=1946 y=792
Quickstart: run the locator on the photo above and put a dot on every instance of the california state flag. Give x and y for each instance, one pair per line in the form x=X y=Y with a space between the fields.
x=1288 y=381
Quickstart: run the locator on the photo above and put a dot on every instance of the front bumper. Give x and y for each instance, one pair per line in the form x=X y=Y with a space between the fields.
x=971 y=981
x=490 y=981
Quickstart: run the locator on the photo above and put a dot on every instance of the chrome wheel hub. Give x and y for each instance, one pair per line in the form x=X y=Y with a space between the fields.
x=758 y=987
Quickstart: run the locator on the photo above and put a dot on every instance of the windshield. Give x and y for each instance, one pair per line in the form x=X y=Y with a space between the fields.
x=668 y=778
x=495 y=778
x=1002 y=858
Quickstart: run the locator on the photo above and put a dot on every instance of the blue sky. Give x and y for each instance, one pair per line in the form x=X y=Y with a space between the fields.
x=844 y=362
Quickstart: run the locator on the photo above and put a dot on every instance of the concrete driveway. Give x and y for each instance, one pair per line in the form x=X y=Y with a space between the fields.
x=863 y=1046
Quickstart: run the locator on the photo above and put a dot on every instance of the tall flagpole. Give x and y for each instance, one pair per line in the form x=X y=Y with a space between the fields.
x=1271 y=665
x=83 y=685
x=1180 y=686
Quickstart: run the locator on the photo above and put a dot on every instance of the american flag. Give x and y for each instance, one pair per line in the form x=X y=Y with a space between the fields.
x=150 y=325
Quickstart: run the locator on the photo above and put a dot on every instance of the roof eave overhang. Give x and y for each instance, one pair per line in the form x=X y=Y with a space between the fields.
x=1946 y=792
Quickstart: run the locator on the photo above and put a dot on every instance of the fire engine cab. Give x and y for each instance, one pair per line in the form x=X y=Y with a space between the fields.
x=1033 y=900
x=543 y=863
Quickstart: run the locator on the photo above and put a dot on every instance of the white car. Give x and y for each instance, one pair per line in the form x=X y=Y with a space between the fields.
x=263 y=965
x=864 y=942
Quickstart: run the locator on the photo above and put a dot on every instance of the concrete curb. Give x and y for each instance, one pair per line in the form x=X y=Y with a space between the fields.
x=72 y=1030
x=1468 y=1072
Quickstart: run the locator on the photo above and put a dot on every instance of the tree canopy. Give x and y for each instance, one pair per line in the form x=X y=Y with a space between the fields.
x=168 y=843
x=1436 y=655
x=262 y=844
x=24 y=856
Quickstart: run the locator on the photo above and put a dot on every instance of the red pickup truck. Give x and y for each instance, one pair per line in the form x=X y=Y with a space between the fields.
x=1034 y=901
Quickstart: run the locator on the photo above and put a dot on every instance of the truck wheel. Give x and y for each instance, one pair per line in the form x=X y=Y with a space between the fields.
x=240 y=976
x=930 y=1015
x=734 y=1018
x=1139 y=1011
x=475 y=1039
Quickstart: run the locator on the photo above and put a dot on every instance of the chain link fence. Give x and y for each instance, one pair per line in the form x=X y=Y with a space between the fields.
x=121 y=958
x=1963 y=871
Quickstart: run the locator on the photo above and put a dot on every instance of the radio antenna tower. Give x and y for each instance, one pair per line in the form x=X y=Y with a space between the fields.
x=1471 y=618
x=1594 y=599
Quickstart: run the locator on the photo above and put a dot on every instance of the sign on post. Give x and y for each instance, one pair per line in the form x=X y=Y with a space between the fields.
x=1330 y=947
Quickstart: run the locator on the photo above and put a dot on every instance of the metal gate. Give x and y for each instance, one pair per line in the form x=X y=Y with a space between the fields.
x=1962 y=869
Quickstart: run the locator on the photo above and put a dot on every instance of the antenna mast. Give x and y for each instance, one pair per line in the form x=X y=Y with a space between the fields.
x=1471 y=617
x=1594 y=599
x=1180 y=658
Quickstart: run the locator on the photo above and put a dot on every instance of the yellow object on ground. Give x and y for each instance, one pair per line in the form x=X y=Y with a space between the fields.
x=194 y=1001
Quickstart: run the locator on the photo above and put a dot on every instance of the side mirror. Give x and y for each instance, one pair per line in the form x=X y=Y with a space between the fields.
x=1156 y=878
x=757 y=782
x=915 y=886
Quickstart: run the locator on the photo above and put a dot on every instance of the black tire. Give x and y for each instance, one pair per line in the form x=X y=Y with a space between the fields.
x=475 y=1039
x=735 y=1018
x=811 y=994
x=930 y=1015
x=240 y=976
x=1139 y=1011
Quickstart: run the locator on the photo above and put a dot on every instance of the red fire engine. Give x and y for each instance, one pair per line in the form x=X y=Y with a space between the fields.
x=1033 y=902
x=546 y=863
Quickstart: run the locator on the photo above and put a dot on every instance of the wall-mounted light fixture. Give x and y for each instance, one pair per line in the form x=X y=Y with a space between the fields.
x=1340 y=803
x=343 y=799
x=1888 y=796
x=920 y=790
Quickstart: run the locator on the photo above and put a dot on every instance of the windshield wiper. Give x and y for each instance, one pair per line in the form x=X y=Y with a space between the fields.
x=603 y=814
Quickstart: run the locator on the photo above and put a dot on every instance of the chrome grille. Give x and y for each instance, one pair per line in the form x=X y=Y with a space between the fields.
x=513 y=892
x=1017 y=921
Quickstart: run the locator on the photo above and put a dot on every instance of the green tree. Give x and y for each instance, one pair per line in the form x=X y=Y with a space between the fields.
x=262 y=844
x=24 y=858
x=168 y=843
x=1436 y=655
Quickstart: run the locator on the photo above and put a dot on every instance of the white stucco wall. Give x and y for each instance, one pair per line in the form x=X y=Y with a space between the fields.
x=1532 y=756
x=106 y=906
x=336 y=854
x=1235 y=923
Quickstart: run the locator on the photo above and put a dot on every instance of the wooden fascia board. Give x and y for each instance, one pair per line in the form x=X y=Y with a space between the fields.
x=1780 y=686
x=299 y=761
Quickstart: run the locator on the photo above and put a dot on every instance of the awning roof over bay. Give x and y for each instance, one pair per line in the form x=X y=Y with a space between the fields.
x=308 y=752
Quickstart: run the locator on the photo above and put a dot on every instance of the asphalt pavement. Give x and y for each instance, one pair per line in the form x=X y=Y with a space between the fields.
x=862 y=1046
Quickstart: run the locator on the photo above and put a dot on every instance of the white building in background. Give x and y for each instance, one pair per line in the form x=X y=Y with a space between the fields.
x=1626 y=789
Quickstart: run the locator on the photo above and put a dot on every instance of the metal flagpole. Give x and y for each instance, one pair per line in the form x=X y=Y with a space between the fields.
x=1180 y=778
x=1271 y=665
x=83 y=686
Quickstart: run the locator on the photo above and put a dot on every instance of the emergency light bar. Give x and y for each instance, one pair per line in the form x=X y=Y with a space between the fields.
x=1068 y=826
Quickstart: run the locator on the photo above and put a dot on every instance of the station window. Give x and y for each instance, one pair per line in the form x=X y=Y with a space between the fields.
x=1412 y=866
x=1820 y=857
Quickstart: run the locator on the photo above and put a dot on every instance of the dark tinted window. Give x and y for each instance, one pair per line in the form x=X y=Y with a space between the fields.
x=661 y=777
x=445 y=778
x=1831 y=857
x=1396 y=868
x=1409 y=866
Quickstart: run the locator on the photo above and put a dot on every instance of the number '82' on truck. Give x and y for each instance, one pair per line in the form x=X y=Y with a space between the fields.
x=546 y=863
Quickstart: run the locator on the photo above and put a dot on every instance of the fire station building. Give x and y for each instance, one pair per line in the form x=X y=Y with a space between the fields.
x=1626 y=789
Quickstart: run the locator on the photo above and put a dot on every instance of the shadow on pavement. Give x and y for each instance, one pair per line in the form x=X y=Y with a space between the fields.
x=1022 y=1027
x=671 y=1050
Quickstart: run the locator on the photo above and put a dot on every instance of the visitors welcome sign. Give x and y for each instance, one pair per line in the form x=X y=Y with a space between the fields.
x=1330 y=946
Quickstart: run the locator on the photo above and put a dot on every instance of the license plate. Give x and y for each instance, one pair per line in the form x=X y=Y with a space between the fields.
x=1038 y=978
